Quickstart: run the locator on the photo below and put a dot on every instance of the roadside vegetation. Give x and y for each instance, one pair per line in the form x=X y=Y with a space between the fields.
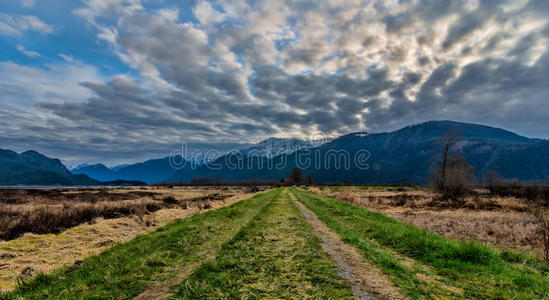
x=126 y=270
x=370 y=187
x=52 y=211
x=264 y=247
x=459 y=269
x=15 y=221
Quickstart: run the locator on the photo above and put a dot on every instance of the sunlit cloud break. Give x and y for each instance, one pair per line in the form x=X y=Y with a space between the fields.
x=240 y=71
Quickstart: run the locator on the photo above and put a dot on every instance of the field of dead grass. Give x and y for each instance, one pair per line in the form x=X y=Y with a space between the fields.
x=52 y=211
x=32 y=253
x=498 y=221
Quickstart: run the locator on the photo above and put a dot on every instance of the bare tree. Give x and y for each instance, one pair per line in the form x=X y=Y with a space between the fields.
x=453 y=174
x=295 y=177
x=459 y=175
x=309 y=180
x=491 y=180
x=446 y=142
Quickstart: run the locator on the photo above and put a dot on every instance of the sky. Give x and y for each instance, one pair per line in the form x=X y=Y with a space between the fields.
x=118 y=81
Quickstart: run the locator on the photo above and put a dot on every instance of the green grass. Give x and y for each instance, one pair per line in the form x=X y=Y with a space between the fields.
x=364 y=187
x=125 y=270
x=479 y=271
x=263 y=247
x=275 y=256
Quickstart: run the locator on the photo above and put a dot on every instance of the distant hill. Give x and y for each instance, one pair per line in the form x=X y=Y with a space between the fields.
x=117 y=168
x=405 y=155
x=97 y=171
x=33 y=168
x=158 y=170
x=151 y=171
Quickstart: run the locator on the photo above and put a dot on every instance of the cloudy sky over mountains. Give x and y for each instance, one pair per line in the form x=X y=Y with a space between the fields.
x=93 y=79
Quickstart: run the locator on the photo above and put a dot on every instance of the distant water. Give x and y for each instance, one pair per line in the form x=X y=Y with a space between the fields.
x=53 y=187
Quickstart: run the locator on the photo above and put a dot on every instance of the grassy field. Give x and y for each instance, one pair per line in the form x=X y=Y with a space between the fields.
x=503 y=222
x=426 y=265
x=48 y=247
x=370 y=187
x=126 y=270
x=263 y=247
x=52 y=211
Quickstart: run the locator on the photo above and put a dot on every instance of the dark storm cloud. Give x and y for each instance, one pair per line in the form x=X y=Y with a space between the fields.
x=465 y=26
x=438 y=78
x=249 y=70
x=397 y=22
x=524 y=45
x=411 y=78
x=376 y=82
x=470 y=95
x=129 y=107
x=539 y=7
x=423 y=10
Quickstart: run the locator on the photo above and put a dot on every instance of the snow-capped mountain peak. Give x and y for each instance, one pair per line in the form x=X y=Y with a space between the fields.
x=90 y=166
x=273 y=146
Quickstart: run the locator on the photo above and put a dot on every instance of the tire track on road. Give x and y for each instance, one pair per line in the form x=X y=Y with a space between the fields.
x=367 y=282
x=162 y=289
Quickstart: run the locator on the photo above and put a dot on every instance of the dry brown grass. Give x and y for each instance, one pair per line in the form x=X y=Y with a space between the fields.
x=37 y=196
x=52 y=211
x=506 y=229
x=47 y=252
x=503 y=222
x=40 y=219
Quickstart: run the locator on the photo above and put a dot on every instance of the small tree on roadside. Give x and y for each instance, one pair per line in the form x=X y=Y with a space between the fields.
x=491 y=180
x=309 y=180
x=295 y=177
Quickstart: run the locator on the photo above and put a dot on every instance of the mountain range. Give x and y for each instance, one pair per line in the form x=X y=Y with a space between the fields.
x=150 y=171
x=157 y=170
x=272 y=147
x=402 y=156
x=405 y=155
x=33 y=168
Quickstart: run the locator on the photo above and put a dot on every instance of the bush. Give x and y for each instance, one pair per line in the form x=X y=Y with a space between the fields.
x=170 y=200
x=538 y=195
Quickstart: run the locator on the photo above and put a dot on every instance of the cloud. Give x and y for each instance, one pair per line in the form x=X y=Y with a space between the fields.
x=301 y=67
x=54 y=83
x=16 y=25
x=29 y=53
x=69 y=58
x=28 y=3
x=239 y=71
x=107 y=9
x=206 y=14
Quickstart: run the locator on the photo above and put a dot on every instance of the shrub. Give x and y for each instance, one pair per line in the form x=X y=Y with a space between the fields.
x=542 y=231
x=170 y=200
x=537 y=195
